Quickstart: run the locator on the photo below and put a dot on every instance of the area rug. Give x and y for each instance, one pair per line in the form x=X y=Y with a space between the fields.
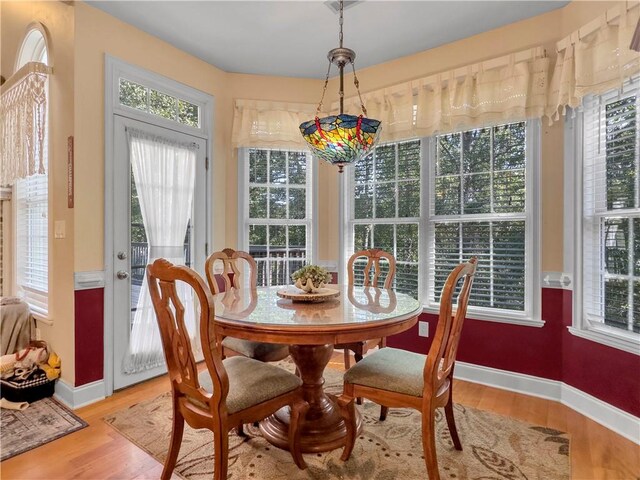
x=494 y=447
x=44 y=421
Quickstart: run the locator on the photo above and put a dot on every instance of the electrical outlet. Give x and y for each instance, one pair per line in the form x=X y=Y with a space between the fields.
x=38 y=334
x=423 y=329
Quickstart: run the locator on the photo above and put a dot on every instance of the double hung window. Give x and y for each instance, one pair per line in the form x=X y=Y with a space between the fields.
x=385 y=211
x=277 y=198
x=32 y=241
x=438 y=201
x=611 y=215
x=479 y=206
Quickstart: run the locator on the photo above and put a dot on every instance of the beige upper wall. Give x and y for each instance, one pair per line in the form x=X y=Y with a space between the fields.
x=58 y=21
x=98 y=34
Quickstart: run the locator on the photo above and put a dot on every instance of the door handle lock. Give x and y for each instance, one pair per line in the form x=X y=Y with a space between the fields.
x=122 y=255
x=122 y=274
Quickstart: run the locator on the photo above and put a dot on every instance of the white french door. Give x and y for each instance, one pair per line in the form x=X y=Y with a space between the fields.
x=159 y=196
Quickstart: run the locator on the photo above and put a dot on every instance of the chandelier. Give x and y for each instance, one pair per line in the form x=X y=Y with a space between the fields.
x=341 y=139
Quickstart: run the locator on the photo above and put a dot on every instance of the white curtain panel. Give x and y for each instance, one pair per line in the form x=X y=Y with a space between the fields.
x=594 y=59
x=23 y=118
x=267 y=124
x=164 y=175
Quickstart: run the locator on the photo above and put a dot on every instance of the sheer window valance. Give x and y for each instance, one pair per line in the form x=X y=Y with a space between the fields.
x=267 y=124
x=505 y=89
x=594 y=59
x=23 y=117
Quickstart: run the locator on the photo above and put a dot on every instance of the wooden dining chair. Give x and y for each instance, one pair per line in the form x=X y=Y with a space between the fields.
x=228 y=392
x=373 y=274
x=399 y=378
x=230 y=277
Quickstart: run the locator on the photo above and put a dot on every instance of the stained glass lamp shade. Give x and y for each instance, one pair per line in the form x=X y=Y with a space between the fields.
x=341 y=139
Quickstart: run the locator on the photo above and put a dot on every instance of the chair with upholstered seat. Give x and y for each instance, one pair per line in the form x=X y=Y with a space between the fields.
x=373 y=273
x=398 y=378
x=228 y=392
x=230 y=277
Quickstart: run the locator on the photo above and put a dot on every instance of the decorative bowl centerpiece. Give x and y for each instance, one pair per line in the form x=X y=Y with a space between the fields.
x=311 y=278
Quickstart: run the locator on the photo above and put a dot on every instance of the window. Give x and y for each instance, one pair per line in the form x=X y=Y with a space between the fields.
x=32 y=205
x=134 y=95
x=478 y=206
x=277 y=203
x=32 y=241
x=439 y=201
x=385 y=210
x=611 y=214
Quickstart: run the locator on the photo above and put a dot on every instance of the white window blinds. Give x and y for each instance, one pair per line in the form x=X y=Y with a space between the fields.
x=32 y=227
x=611 y=209
x=480 y=206
x=384 y=210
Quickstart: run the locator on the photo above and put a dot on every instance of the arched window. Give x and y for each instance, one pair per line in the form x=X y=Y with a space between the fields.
x=31 y=193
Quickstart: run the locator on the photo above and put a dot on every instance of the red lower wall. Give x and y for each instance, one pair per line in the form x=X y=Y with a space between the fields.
x=607 y=373
x=549 y=352
x=89 y=335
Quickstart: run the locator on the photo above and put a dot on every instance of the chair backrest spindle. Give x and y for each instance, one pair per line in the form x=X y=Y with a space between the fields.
x=443 y=350
x=231 y=273
x=373 y=256
x=183 y=372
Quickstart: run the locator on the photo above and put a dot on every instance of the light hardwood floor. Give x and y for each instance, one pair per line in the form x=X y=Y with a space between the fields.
x=99 y=452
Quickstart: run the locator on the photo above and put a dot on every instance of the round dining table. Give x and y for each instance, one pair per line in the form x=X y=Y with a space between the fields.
x=311 y=329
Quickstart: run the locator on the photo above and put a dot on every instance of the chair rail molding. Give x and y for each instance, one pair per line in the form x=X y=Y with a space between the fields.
x=561 y=280
x=88 y=280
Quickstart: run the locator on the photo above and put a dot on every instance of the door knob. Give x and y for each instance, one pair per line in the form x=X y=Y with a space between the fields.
x=122 y=274
x=122 y=255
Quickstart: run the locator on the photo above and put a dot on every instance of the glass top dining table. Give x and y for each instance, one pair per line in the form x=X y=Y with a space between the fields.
x=311 y=329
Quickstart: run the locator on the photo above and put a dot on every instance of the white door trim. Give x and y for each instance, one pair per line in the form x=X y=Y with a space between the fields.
x=114 y=68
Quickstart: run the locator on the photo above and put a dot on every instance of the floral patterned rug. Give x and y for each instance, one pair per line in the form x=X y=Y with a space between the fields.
x=44 y=421
x=494 y=447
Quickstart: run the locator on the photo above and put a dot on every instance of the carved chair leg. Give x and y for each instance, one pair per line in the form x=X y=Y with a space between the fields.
x=176 y=439
x=298 y=413
x=451 y=421
x=348 y=412
x=220 y=454
x=347 y=359
x=358 y=354
x=429 y=443
x=383 y=413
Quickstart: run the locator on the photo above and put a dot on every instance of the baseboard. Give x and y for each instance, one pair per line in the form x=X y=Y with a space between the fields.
x=76 y=397
x=514 y=382
x=621 y=422
x=613 y=418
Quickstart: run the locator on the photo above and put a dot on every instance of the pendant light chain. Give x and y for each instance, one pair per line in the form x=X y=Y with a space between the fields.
x=357 y=84
x=324 y=90
x=340 y=36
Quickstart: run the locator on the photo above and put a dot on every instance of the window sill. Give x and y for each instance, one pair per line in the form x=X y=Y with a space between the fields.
x=42 y=317
x=522 y=321
x=609 y=339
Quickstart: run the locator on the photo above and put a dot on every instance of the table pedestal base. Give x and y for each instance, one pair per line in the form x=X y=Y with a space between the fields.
x=323 y=428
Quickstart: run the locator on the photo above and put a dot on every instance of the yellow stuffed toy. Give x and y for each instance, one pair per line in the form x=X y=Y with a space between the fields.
x=52 y=367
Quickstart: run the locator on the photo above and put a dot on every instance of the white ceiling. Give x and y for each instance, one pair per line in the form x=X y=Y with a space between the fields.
x=292 y=38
